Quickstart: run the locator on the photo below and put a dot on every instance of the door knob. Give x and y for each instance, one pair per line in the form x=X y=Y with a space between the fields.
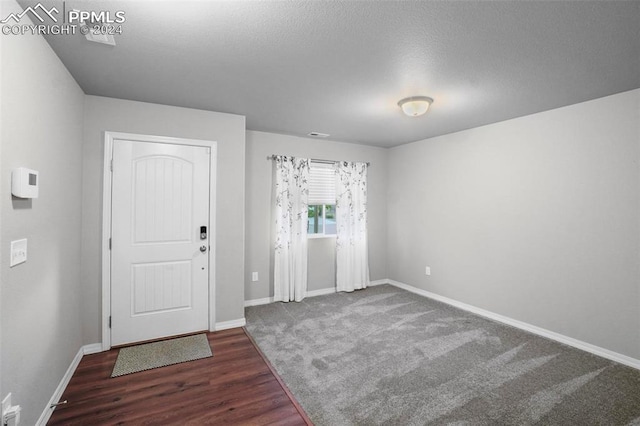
x=203 y=249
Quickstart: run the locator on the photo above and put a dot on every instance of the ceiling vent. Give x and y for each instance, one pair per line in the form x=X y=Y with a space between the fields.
x=94 y=29
x=100 y=38
x=318 y=135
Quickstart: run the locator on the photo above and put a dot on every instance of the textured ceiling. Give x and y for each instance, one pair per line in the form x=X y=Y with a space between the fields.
x=340 y=67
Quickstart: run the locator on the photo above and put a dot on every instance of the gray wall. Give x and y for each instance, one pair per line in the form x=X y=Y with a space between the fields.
x=536 y=218
x=258 y=255
x=40 y=305
x=107 y=114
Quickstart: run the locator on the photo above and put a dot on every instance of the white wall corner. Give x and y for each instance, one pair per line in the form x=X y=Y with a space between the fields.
x=570 y=341
x=225 y=325
x=93 y=348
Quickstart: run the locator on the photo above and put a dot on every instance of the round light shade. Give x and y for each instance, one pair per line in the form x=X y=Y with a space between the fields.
x=415 y=105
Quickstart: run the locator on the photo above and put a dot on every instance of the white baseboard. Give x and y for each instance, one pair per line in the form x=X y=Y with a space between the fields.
x=312 y=293
x=225 y=325
x=256 y=302
x=321 y=292
x=57 y=394
x=570 y=341
x=93 y=348
x=267 y=300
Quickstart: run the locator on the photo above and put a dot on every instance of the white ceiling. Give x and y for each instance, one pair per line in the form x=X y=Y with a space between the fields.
x=340 y=67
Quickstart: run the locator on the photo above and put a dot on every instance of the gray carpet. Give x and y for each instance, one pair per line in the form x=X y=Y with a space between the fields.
x=387 y=356
x=133 y=359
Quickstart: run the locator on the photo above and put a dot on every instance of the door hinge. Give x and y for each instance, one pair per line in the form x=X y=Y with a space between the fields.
x=111 y=165
x=109 y=321
x=109 y=243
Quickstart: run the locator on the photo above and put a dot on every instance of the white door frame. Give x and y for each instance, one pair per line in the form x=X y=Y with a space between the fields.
x=109 y=138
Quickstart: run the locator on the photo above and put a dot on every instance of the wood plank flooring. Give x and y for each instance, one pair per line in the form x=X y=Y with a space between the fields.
x=235 y=386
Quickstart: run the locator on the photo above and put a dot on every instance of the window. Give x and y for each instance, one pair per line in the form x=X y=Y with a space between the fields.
x=322 y=219
x=322 y=200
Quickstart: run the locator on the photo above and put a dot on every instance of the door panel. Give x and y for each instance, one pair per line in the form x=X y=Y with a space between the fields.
x=159 y=274
x=158 y=287
x=162 y=192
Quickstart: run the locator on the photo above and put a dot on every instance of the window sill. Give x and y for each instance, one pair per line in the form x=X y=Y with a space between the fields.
x=319 y=236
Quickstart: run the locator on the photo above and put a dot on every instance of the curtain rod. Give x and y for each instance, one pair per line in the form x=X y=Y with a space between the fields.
x=315 y=160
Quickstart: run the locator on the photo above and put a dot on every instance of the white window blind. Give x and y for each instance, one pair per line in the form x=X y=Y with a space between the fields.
x=322 y=184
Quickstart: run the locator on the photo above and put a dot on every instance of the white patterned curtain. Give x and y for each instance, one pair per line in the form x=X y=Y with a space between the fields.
x=291 y=213
x=352 y=255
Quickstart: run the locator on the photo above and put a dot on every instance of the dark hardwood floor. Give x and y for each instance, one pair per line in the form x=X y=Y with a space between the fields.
x=235 y=386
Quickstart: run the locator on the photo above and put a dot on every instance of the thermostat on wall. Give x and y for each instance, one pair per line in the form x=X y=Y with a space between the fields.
x=24 y=183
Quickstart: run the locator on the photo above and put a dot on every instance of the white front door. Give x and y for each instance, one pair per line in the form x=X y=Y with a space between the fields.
x=159 y=258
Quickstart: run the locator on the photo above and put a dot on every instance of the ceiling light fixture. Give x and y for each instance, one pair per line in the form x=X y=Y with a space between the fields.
x=415 y=105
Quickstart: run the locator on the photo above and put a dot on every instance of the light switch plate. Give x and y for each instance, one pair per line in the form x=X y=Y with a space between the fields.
x=254 y=276
x=18 y=252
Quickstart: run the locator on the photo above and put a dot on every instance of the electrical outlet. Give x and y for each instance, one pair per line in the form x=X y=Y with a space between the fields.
x=6 y=403
x=254 y=276
x=10 y=413
x=427 y=270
